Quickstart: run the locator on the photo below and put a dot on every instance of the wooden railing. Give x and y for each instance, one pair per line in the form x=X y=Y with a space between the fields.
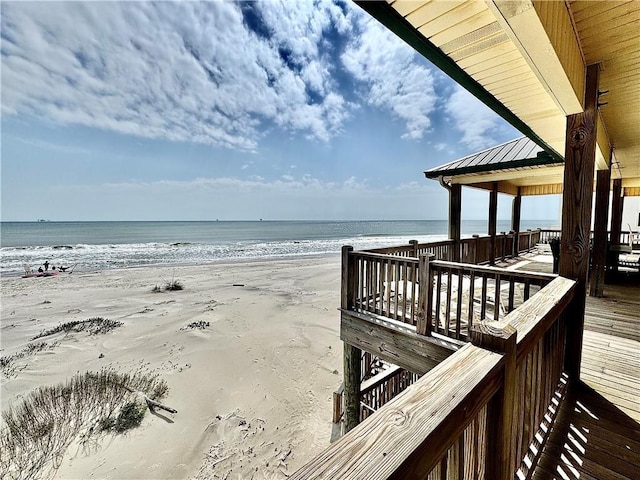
x=626 y=238
x=384 y=387
x=385 y=285
x=465 y=294
x=476 y=249
x=477 y=414
x=456 y=295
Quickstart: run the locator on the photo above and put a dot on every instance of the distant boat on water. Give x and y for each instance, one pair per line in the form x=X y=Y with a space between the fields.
x=42 y=220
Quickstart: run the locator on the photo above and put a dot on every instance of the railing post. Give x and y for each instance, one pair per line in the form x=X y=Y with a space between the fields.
x=425 y=296
x=475 y=248
x=352 y=354
x=414 y=244
x=500 y=461
x=504 y=245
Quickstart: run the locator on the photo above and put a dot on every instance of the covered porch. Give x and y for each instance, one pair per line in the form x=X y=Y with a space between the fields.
x=512 y=374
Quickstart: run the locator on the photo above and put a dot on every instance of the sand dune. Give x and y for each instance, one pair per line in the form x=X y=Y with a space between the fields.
x=252 y=389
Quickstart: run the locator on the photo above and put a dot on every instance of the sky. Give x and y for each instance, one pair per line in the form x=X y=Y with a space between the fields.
x=281 y=110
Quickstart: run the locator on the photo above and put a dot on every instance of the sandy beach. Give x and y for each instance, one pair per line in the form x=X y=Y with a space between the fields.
x=253 y=389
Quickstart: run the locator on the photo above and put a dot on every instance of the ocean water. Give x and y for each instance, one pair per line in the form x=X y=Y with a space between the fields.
x=103 y=245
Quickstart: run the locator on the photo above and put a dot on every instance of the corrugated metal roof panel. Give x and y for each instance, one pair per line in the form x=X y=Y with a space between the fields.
x=515 y=154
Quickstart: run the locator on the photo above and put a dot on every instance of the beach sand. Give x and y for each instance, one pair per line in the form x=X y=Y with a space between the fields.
x=253 y=390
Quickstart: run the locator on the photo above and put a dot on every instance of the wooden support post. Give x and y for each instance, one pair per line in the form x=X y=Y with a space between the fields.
x=414 y=244
x=500 y=447
x=493 y=220
x=352 y=355
x=351 y=386
x=579 y=162
x=425 y=294
x=515 y=221
x=599 y=251
x=617 y=204
x=455 y=213
x=476 y=245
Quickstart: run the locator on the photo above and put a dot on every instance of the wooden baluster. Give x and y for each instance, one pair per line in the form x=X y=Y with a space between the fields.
x=472 y=291
x=439 y=328
x=483 y=304
x=496 y=299
x=512 y=293
x=459 y=303
x=385 y=291
x=401 y=272
x=448 y=306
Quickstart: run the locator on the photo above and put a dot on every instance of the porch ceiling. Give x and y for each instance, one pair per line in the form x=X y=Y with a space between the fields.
x=530 y=56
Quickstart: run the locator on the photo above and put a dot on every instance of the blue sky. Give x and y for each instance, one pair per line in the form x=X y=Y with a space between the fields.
x=234 y=111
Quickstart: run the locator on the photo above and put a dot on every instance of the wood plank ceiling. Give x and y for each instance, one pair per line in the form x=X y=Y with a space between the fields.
x=531 y=56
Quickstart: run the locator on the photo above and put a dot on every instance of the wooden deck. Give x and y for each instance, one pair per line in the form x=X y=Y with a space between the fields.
x=597 y=434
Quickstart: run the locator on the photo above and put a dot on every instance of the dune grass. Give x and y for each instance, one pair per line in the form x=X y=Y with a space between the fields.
x=37 y=430
x=93 y=326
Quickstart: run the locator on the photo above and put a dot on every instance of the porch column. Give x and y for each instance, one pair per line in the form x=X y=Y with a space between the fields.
x=493 y=220
x=599 y=252
x=616 y=211
x=579 y=162
x=515 y=222
x=352 y=355
x=455 y=213
x=617 y=204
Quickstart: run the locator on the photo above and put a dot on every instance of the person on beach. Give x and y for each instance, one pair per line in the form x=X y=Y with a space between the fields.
x=46 y=265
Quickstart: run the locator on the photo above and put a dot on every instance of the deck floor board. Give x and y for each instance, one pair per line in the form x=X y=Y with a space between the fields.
x=597 y=433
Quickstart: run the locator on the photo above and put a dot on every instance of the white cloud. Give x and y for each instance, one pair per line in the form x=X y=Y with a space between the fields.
x=478 y=124
x=201 y=72
x=394 y=79
x=180 y=71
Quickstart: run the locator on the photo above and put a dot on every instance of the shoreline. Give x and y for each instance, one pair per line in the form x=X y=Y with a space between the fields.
x=262 y=372
x=214 y=262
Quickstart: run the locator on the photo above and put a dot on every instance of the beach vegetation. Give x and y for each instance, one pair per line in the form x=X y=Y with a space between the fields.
x=37 y=430
x=174 y=285
x=169 y=286
x=7 y=362
x=93 y=326
x=200 y=325
x=130 y=416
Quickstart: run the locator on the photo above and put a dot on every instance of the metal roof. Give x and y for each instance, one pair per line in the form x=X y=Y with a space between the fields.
x=521 y=153
x=527 y=60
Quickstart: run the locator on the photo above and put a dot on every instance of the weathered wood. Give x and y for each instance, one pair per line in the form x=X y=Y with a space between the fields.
x=599 y=253
x=337 y=404
x=492 y=271
x=534 y=317
x=393 y=341
x=347 y=292
x=493 y=219
x=425 y=293
x=500 y=414
x=576 y=215
x=351 y=386
x=455 y=214
x=408 y=437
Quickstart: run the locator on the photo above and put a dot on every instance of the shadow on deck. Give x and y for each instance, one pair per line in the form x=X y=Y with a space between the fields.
x=597 y=432
x=591 y=439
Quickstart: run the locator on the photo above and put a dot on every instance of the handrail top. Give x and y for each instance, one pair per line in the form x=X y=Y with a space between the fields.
x=533 y=318
x=495 y=270
x=383 y=256
x=451 y=394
